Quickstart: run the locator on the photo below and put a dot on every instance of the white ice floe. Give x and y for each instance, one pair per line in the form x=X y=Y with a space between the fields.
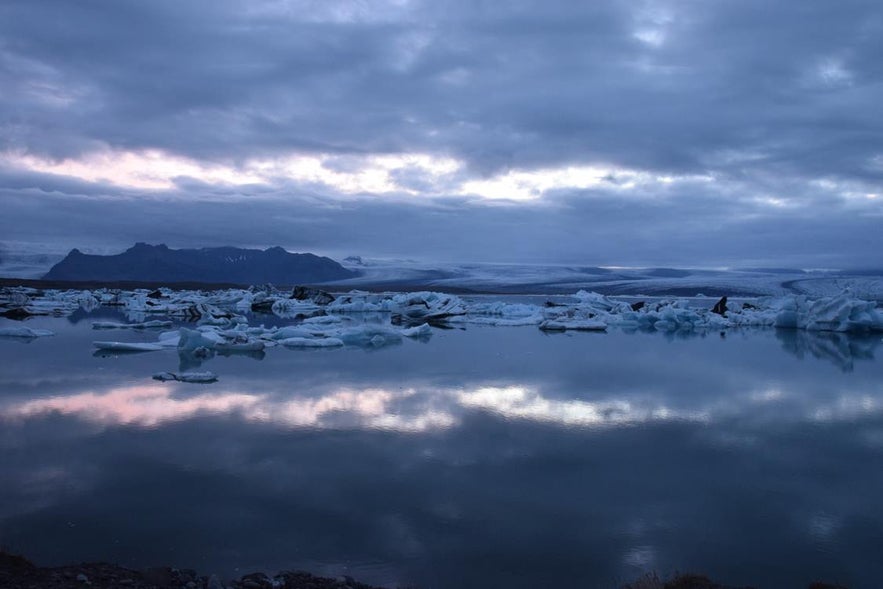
x=294 y=308
x=311 y=342
x=574 y=325
x=128 y=346
x=368 y=336
x=142 y=325
x=843 y=313
x=192 y=377
x=24 y=332
x=190 y=339
x=365 y=319
x=425 y=306
x=840 y=313
x=418 y=331
x=500 y=313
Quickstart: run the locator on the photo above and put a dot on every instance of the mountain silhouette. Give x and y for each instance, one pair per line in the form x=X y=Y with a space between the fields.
x=159 y=263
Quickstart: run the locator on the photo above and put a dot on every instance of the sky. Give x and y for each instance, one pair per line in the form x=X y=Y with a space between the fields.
x=706 y=133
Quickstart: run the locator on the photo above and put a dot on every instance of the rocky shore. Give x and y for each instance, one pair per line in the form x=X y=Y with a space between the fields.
x=16 y=572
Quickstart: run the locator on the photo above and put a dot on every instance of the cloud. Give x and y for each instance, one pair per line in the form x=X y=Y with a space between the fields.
x=687 y=222
x=652 y=131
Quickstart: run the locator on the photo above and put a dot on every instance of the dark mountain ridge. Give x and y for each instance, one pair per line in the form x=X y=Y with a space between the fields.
x=159 y=263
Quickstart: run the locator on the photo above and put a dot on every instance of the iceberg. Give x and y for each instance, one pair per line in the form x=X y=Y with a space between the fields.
x=425 y=307
x=311 y=342
x=418 y=331
x=128 y=346
x=190 y=339
x=294 y=308
x=502 y=314
x=368 y=336
x=574 y=325
x=314 y=295
x=24 y=332
x=372 y=320
x=840 y=313
x=142 y=325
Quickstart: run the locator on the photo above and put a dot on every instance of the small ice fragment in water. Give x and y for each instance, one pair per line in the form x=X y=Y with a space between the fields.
x=143 y=325
x=308 y=342
x=24 y=332
x=423 y=330
x=575 y=325
x=193 y=377
x=128 y=346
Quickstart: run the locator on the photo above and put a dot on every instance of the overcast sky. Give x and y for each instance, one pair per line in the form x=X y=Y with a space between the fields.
x=692 y=133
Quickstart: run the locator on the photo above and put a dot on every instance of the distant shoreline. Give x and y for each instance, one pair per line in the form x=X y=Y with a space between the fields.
x=533 y=289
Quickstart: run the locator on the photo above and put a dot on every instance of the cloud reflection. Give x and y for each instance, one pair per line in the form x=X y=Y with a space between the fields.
x=523 y=403
x=144 y=405
x=402 y=410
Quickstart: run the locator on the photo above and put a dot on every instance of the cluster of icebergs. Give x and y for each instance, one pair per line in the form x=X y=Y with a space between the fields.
x=358 y=318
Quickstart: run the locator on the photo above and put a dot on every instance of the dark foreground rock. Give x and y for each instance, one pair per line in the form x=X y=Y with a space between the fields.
x=692 y=581
x=17 y=572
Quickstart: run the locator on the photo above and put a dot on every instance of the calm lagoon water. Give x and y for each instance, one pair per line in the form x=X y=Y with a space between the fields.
x=483 y=457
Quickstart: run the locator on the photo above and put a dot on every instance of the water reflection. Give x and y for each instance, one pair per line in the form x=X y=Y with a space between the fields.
x=401 y=410
x=193 y=360
x=840 y=349
x=489 y=457
x=144 y=405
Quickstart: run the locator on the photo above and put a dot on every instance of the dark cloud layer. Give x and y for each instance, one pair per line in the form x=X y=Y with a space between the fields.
x=772 y=102
x=592 y=227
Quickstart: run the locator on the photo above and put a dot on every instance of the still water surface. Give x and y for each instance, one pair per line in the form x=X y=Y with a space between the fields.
x=483 y=457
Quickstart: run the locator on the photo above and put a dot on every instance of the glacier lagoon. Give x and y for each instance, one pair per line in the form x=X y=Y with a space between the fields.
x=482 y=456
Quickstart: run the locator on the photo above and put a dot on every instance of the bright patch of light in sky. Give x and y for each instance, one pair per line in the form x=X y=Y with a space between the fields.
x=832 y=72
x=348 y=175
x=527 y=185
x=652 y=25
x=149 y=169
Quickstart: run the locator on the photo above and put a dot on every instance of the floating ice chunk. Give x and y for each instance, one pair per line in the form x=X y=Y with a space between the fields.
x=841 y=313
x=294 y=308
x=87 y=301
x=203 y=312
x=502 y=321
x=357 y=301
x=314 y=295
x=501 y=314
x=419 y=331
x=190 y=339
x=233 y=340
x=601 y=303
x=170 y=339
x=243 y=305
x=192 y=377
x=128 y=346
x=311 y=342
x=324 y=320
x=426 y=307
x=142 y=325
x=573 y=325
x=368 y=336
x=25 y=332
x=295 y=331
